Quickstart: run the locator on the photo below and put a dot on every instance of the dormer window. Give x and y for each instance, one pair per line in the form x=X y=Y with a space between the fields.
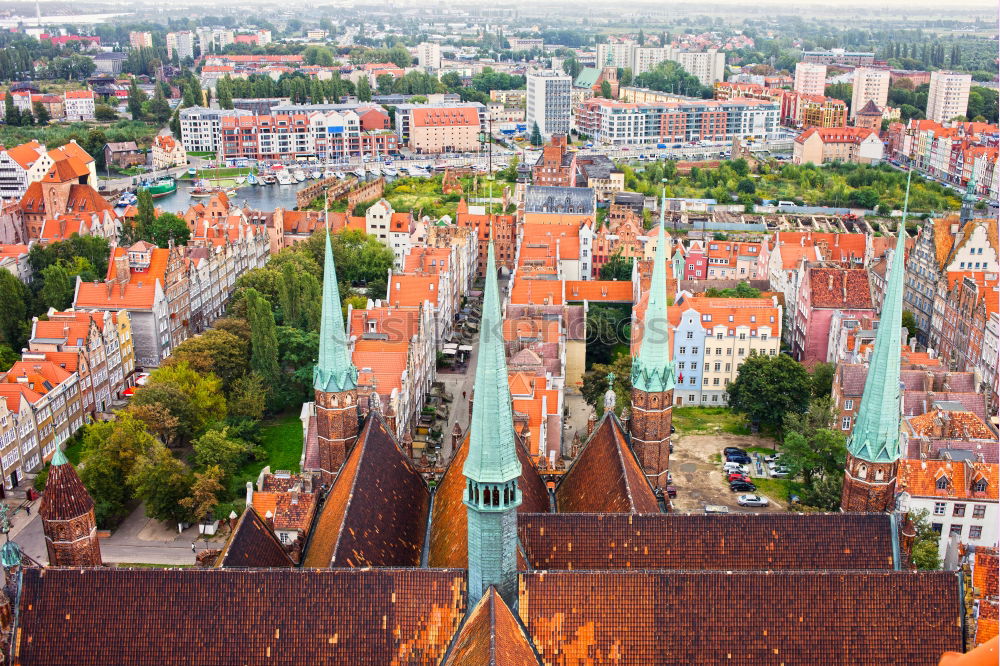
x=980 y=486
x=942 y=483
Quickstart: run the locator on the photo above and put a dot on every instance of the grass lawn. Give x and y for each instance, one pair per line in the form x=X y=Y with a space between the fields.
x=281 y=439
x=763 y=450
x=195 y=153
x=74 y=450
x=689 y=420
x=218 y=173
x=778 y=489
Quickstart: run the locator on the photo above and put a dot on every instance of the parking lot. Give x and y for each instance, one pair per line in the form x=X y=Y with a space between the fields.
x=698 y=476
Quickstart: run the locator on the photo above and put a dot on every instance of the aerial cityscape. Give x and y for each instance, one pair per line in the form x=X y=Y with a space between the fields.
x=560 y=334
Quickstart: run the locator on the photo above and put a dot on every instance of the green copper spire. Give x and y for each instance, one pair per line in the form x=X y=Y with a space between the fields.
x=59 y=458
x=652 y=369
x=492 y=467
x=334 y=371
x=492 y=458
x=876 y=432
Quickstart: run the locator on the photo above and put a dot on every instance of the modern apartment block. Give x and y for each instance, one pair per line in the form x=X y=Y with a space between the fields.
x=429 y=55
x=181 y=43
x=839 y=57
x=78 y=105
x=624 y=124
x=201 y=128
x=810 y=78
x=707 y=66
x=405 y=115
x=869 y=84
x=140 y=40
x=549 y=102
x=948 y=96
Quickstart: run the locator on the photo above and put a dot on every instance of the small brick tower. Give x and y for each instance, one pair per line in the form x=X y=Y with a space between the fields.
x=335 y=380
x=653 y=376
x=873 y=451
x=68 y=522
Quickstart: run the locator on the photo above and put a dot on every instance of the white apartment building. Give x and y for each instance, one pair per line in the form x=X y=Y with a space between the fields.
x=525 y=43
x=79 y=105
x=869 y=84
x=429 y=55
x=263 y=37
x=708 y=66
x=201 y=129
x=20 y=166
x=615 y=55
x=181 y=43
x=948 y=96
x=549 y=102
x=214 y=37
x=810 y=78
x=140 y=40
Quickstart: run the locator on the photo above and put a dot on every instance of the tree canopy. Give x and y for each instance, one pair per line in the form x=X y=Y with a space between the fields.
x=767 y=388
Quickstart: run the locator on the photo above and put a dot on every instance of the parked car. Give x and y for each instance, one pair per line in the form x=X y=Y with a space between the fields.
x=737 y=476
x=734 y=467
x=779 y=472
x=751 y=500
x=716 y=508
x=737 y=458
x=671 y=491
x=742 y=487
x=774 y=457
x=729 y=450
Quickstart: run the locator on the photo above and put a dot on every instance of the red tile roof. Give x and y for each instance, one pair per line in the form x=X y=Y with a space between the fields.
x=491 y=636
x=840 y=288
x=252 y=544
x=445 y=117
x=920 y=478
x=616 y=291
x=65 y=497
x=376 y=512
x=413 y=289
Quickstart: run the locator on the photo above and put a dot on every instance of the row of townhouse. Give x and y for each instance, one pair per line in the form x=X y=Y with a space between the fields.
x=624 y=124
x=797 y=109
x=97 y=346
x=73 y=106
x=712 y=339
x=946 y=245
x=725 y=260
x=956 y=153
x=175 y=292
x=40 y=410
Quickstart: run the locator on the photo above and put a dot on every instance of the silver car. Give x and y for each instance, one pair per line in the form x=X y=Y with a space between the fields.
x=751 y=500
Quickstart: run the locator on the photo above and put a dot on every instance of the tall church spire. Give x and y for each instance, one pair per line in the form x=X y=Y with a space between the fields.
x=334 y=371
x=653 y=374
x=873 y=449
x=652 y=370
x=492 y=466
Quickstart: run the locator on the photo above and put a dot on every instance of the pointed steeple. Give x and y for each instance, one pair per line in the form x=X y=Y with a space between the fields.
x=492 y=457
x=59 y=457
x=334 y=371
x=492 y=467
x=876 y=432
x=652 y=369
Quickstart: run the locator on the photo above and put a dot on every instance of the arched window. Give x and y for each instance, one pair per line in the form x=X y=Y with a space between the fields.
x=862 y=471
x=496 y=497
x=879 y=474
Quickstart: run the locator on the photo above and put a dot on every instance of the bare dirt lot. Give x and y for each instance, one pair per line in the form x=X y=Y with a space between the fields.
x=698 y=476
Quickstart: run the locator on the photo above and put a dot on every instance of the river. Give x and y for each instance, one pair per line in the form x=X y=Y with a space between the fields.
x=262 y=197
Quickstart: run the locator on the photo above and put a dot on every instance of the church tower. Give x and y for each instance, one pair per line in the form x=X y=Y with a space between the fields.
x=68 y=522
x=653 y=376
x=969 y=201
x=335 y=380
x=492 y=467
x=873 y=449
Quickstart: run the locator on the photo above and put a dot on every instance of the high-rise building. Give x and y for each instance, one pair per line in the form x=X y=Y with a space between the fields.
x=810 y=78
x=140 y=40
x=874 y=449
x=615 y=55
x=948 y=96
x=869 y=85
x=708 y=66
x=429 y=55
x=181 y=43
x=548 y=102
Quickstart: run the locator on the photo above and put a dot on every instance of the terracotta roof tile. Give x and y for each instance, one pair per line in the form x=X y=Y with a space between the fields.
x=786 y=617
x=252 y=544
x=536 y=292
x=946 y=478
x=449 y=536
x=954 y=425
x=491 y=636
x=413 y=290
x=64 y=497
x=26 y=154
x=376 y=512
x=695 y=542
x=616 y=291
x=444 y=117
x=606 y=477
x=233 y=616
x=840 y=288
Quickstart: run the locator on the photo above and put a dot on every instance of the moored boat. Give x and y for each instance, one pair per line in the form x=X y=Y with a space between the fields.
x=299 y=175
x=160 y=187
x=284 y=178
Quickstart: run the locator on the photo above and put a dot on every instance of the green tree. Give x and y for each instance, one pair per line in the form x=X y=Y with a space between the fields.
x=135 y=99
x=263 y=340
x=606 y=89
x=536 y=135
x=819 y=454
x=161 y=482
x=246 y=399
x=196 y=400
x=216 y=351
x=111 y=451
x=595 y=384
x=158 y=107
x=57 y=287
x=12 y=114
x=925 y=546
x=8 y=357
x=300 y=296
x=825 y=492
x=175 y=123
x=218 y=448
x=140 y=227
x=910 y=324
x=42 y=116
x=13 y=310
x=822 y=379
x=167 y=227
x=205 y=492
x=769 y=387
x=224 y=93
x=105 y=113
x=608 y=331
x=364 y=89
x=617 y=268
